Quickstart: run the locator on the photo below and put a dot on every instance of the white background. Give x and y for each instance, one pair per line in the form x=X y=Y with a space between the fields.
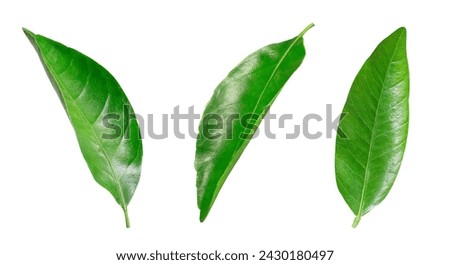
x=282 y=193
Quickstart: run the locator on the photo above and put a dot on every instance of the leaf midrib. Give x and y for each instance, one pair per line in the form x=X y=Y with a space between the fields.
x=366 y=172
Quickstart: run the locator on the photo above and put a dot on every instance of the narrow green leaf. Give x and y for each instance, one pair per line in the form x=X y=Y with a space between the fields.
x=235 y=111
x=101 y=116
x=372 y=135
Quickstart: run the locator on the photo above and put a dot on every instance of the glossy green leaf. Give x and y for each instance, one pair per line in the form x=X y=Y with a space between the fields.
x=101 y=116
x=372 y=135
x=236 y=109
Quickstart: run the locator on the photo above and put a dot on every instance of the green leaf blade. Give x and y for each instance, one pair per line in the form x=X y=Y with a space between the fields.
x=89 y=93
x=376 y=125
x=249 y=89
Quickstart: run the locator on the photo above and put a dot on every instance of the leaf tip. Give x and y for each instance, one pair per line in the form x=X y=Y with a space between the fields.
x=401 y=32
x=31 y=37
x=203 y=215
x=28 y=33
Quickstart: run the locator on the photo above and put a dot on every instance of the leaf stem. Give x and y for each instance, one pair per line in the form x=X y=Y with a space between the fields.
x=306 y=29
x=125 y=212
x=356 y=221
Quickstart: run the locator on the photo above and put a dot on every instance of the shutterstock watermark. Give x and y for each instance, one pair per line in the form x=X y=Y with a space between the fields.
x=217 y=125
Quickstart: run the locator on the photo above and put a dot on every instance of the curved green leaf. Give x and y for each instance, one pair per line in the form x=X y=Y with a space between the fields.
x=101 y=116
x=372 y=135
x=236 y=109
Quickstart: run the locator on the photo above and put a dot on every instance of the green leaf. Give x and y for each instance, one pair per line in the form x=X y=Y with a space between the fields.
x=236 y=109
x=372 y=135
x=101 y=115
